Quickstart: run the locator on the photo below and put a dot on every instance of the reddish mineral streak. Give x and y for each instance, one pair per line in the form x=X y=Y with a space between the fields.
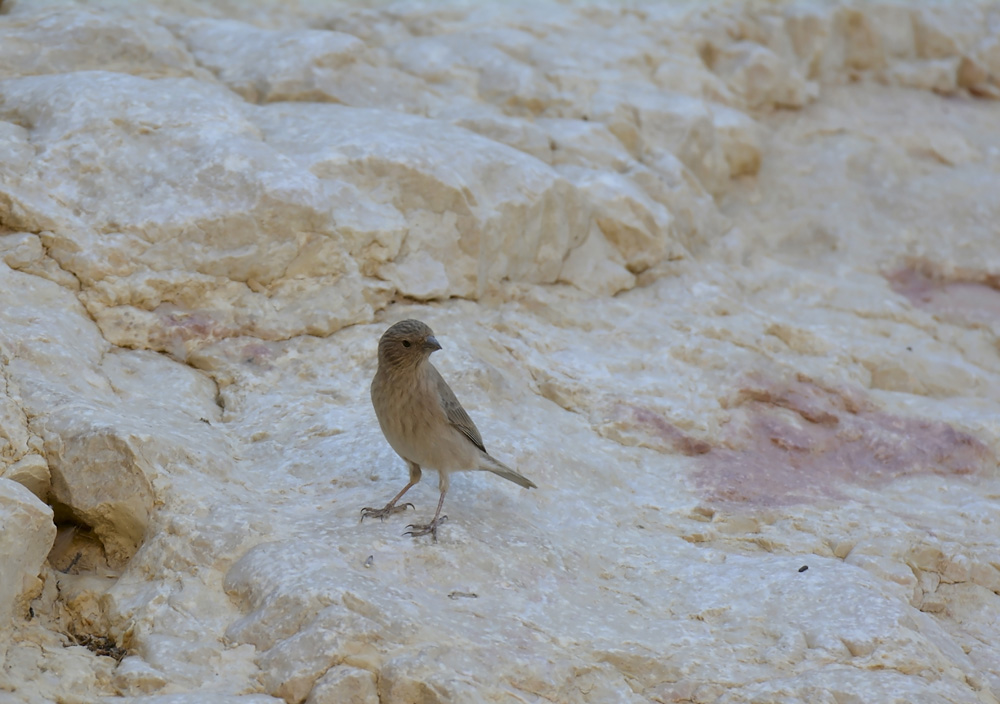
x=965 y=297
x=193 y=326
x=177 y=328
x=797 y=441
x=663 y=435
x=680 y=441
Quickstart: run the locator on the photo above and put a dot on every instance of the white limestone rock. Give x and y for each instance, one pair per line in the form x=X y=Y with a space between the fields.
x=24 y=251
x=487 y=212
x=416 y=274
x=102 y=473
x=16 y=440
x=721 y=280
x=196 y=697
x=249 y=224
x=697 y=220
x=478 y=63
x=267 y=65
x=645 y=119
x=521 y=134
x=135 y=675
x=345 y=685
x=761 y=78
x=633 y=223
x=28 y=532
x=72 y=38
x=939 y=75
x=32 y=472
x=740 y=137
x=584 y=143
x=597 y=267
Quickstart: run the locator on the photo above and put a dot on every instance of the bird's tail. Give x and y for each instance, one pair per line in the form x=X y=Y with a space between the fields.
x=497 y=467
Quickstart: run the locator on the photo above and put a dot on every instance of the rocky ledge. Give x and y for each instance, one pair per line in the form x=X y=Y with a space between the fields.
x=723 y=280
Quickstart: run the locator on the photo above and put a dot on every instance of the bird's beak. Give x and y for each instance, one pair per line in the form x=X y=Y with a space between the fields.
x=431 y=343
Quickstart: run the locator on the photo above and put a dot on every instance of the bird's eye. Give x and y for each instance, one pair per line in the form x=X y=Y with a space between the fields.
x=406 y=343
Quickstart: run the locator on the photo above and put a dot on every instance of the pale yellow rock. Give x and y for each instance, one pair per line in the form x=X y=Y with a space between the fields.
x=584 y=143
x=720 y=278
x=740 y=139
x=634 y=224
x=495 y=212
x=688 y=74
x=479 y=62
x=941 y=34
x=697 y=221
x=292 y=667
x=863 y=44
x=104 y=477
x=345 y=685
x=66 y=39
x=71 y=673
x=265 y=66
x=15 y=437
x=418 y=275
x=17 y=151
x=518 y=133
x=597 y=267
x=941 y=75
x=135 y=675
x=26 y=252
x=645 y=119
x=988 y=53
x=761 y=78
x=31 y=472
x=21 y=249
x=808 y=29
x=27 y=536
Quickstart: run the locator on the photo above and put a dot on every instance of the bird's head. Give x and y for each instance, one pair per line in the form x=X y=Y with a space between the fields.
x=407 y=343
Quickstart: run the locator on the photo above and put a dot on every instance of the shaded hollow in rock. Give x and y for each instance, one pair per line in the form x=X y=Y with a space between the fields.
x=99 y=482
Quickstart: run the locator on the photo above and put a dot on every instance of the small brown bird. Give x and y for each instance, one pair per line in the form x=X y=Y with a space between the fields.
x=423 y=421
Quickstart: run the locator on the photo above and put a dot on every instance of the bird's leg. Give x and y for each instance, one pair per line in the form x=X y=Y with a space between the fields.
x=431 y=528
x=391 y=507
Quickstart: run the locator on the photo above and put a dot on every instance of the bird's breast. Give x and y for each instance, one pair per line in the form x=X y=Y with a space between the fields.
x=412 y=420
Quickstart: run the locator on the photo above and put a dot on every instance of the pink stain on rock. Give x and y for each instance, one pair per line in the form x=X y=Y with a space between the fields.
x=257 y=353
x=635 y=425
x=798 y=441
x=964 y=296
x=180 y=327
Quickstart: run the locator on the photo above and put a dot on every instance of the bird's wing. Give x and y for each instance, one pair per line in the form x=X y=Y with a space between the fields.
x=455 y=413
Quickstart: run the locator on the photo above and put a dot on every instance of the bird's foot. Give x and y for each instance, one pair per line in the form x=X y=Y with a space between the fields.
x=426 y=529
x=381 y=513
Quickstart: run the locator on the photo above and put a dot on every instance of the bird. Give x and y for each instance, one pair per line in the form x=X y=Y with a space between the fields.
x=423 y=421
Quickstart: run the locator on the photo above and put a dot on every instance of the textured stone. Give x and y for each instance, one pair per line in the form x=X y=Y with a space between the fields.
x=27 y=535
x=67 y=39
x=740 y=139
x=265 y=65
x=723 y=280
x=101 y=476
x=31 y=472
x=345 y=685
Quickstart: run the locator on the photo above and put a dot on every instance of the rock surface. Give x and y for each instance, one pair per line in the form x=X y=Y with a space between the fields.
x=26 y=540
x=723 y=281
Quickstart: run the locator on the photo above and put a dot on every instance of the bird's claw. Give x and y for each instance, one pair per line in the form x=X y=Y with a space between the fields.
x=426 y=529
x=381 y=513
